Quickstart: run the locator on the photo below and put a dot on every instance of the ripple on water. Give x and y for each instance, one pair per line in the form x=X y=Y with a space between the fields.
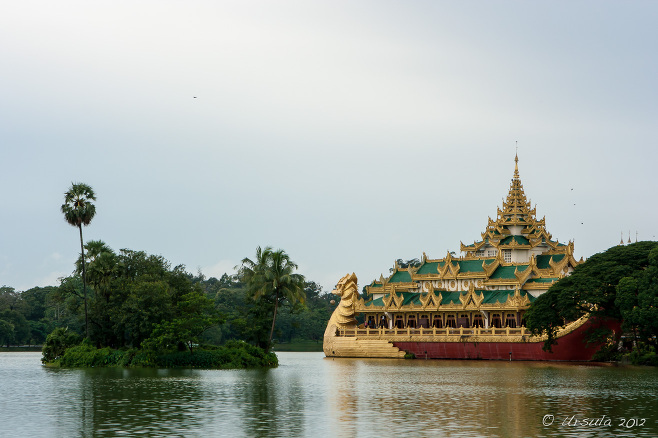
x=311 y=395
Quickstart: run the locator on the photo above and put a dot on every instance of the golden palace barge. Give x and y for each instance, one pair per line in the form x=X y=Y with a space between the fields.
x=468 y=307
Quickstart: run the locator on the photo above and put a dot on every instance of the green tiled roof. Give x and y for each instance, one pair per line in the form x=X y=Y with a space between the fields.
x=519 y=239
x=490 y=297
x=543 y=260
x=378 y=302
x=449 y=297
x=507 y=272
x=470 y=266
x=428 y=268
x=473 y=265
x=464 y=266
x=496 y=296
x=400 y=277
x=500 y=296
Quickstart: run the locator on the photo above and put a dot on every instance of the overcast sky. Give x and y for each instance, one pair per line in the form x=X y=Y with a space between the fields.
x=348 y=133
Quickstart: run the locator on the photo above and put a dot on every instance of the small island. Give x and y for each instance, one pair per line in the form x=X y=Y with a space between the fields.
x=141 y=312
x=133 y=309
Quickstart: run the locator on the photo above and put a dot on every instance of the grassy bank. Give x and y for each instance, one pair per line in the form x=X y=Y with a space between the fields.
x=299 y=346
x=22 y=348
x=233 y=355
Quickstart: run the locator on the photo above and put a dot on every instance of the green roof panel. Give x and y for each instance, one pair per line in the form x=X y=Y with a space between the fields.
x=428 y=268
x=400 y=277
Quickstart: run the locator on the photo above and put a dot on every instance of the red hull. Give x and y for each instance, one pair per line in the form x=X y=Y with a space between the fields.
x=571 y=347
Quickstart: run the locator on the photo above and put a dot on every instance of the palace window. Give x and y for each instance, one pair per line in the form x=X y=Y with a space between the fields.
x=491 y=253
x=477 y=321
x=507 y=255
x=438 y=322
x=495 y=321
x=450 y=321
x=510 y=321
x=479 y=253
x=411 y=321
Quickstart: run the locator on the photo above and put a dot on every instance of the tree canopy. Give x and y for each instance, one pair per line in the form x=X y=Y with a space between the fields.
x=620 y=283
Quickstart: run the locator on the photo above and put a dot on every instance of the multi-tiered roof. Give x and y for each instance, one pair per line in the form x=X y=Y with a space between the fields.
x=516 y=225
x=515 y=261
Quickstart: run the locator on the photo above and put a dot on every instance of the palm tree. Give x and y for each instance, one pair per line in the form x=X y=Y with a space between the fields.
x=78 y=211
x=271 y=277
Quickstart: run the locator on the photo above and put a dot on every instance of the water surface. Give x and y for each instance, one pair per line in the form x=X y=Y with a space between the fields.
x=310 y=395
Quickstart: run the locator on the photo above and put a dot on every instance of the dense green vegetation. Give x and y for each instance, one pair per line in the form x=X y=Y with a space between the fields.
x=619 y=284
x=251 y=320
x=124 y=307
x=130 y=308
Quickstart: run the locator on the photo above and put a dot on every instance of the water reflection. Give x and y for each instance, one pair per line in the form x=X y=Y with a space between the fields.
x=483 y=398
x=311 y=395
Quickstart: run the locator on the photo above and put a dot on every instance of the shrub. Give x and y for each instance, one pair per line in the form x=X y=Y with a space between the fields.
x=236 y=354
x=643 y=355
x=57 y=342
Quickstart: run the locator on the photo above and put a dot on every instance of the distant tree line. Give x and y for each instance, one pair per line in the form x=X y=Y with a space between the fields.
x=133 y=294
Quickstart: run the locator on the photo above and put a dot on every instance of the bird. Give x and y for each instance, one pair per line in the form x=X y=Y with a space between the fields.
x=195 y=98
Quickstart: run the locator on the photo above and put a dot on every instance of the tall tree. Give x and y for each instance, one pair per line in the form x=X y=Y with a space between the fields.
x=618 y=284
x=271 y=278
x=78 y=211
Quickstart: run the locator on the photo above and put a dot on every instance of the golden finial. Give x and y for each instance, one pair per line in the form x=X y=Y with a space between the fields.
x=621 y=242
x=516 y=161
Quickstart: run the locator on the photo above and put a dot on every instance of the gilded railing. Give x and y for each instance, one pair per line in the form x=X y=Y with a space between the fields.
x=377 y=332
x=476 y=334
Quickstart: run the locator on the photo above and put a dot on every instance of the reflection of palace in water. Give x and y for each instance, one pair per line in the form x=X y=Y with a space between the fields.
x=480 y=297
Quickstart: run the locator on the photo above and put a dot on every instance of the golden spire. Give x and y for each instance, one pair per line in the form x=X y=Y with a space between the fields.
x=516 y=203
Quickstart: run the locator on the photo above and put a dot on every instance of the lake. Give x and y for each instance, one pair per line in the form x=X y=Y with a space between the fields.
x=310 y=395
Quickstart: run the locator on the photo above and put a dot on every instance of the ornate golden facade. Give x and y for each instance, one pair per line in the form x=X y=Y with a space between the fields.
x=484 y=293
x=492 y=284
